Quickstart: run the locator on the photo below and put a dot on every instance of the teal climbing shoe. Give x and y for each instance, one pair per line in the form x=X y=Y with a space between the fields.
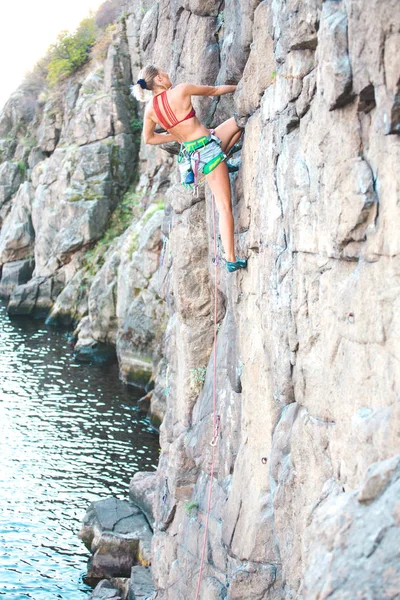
x=232 y=168
x=235 y=266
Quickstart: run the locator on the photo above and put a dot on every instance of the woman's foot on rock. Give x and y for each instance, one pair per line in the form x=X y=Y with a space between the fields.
x=235 y=266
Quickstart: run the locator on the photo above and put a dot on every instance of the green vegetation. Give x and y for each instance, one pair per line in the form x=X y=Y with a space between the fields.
x=71 y=51
x=119 y=221
x=137 y=125
x=152 y=211
x=103 y=41
x=114 y=158
x=133 y=244
x=190 y=507
x=87 y=195
x=197 y=379
x=87 y=90
x=134 y=240
x=29 y=141
x=22 y=168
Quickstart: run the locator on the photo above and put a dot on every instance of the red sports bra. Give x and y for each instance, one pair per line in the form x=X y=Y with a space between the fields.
x=168 y=112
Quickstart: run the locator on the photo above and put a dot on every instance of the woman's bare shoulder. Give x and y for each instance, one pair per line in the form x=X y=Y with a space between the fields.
x=149 y=109
x=181 y=89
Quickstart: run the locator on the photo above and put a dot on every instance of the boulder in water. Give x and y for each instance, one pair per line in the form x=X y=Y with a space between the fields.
x=119 y=537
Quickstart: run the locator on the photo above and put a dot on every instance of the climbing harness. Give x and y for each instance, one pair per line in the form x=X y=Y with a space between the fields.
x=184 y=164
x=216 y=417
x=202 y=155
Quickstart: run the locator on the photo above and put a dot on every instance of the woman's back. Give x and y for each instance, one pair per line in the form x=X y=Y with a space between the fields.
x=173 y=110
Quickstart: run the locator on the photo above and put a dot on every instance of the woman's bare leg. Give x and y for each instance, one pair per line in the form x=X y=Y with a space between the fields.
x=233 y=141
x=219 y=183
x=229 y=133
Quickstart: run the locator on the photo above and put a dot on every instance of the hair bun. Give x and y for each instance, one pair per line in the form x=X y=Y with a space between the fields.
x=142 y=84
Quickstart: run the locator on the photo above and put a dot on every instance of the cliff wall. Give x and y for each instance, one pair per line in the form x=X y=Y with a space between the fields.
x=307 y=474
x=307 y=359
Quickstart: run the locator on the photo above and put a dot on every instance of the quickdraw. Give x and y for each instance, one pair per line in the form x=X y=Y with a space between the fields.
x=165 y=494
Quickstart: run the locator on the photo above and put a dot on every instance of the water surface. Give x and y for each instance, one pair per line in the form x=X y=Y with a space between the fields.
x=69 y=434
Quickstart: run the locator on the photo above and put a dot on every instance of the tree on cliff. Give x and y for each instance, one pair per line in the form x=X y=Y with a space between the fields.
x=71 y=51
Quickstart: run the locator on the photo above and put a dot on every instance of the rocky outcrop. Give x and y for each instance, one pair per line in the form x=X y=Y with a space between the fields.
x=142 y=493
x=305 y=478
x=83 y=148
x=304 y=334
x=351 y=538
x=15 y=274
x=79 y=153
x=118 y=536
x=138 y=587
x=17 y=237
x=105 y=590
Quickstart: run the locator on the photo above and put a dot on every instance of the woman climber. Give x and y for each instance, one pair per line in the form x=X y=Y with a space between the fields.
x=171 y=108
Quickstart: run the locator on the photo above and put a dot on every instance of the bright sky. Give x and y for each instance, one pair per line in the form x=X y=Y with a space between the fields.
x=27 y=28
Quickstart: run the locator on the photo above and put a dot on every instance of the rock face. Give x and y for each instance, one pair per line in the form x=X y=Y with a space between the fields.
x=78 y=155
x=142 y=493
x=303 y=469
x=14 y=274
x=105 y=590
x=141 y=586
x=306 y=332
x=352 y=536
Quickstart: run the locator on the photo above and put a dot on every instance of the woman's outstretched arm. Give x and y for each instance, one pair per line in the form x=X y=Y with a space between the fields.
x=190 y=89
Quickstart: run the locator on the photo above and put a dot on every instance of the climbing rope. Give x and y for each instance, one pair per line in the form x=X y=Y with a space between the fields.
x=216 y=418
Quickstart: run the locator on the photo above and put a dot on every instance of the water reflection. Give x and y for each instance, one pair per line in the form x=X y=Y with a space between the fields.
x=69 y=434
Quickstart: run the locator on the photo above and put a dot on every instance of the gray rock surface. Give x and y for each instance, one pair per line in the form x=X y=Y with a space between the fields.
x=48 y=133
x=71 y=305
x=105 y=590
x=142 y=492
x=87 y=349
x=10 y=180
x=350 y=543
x=17 y=236
x=74 y=191
x=118 y=536
x=14 y=274
x=305 y=333
x=141 y=583
x=35 y=298
x=78 y=152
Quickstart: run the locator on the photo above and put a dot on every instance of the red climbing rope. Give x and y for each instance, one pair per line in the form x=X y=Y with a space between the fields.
x=215 y=416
